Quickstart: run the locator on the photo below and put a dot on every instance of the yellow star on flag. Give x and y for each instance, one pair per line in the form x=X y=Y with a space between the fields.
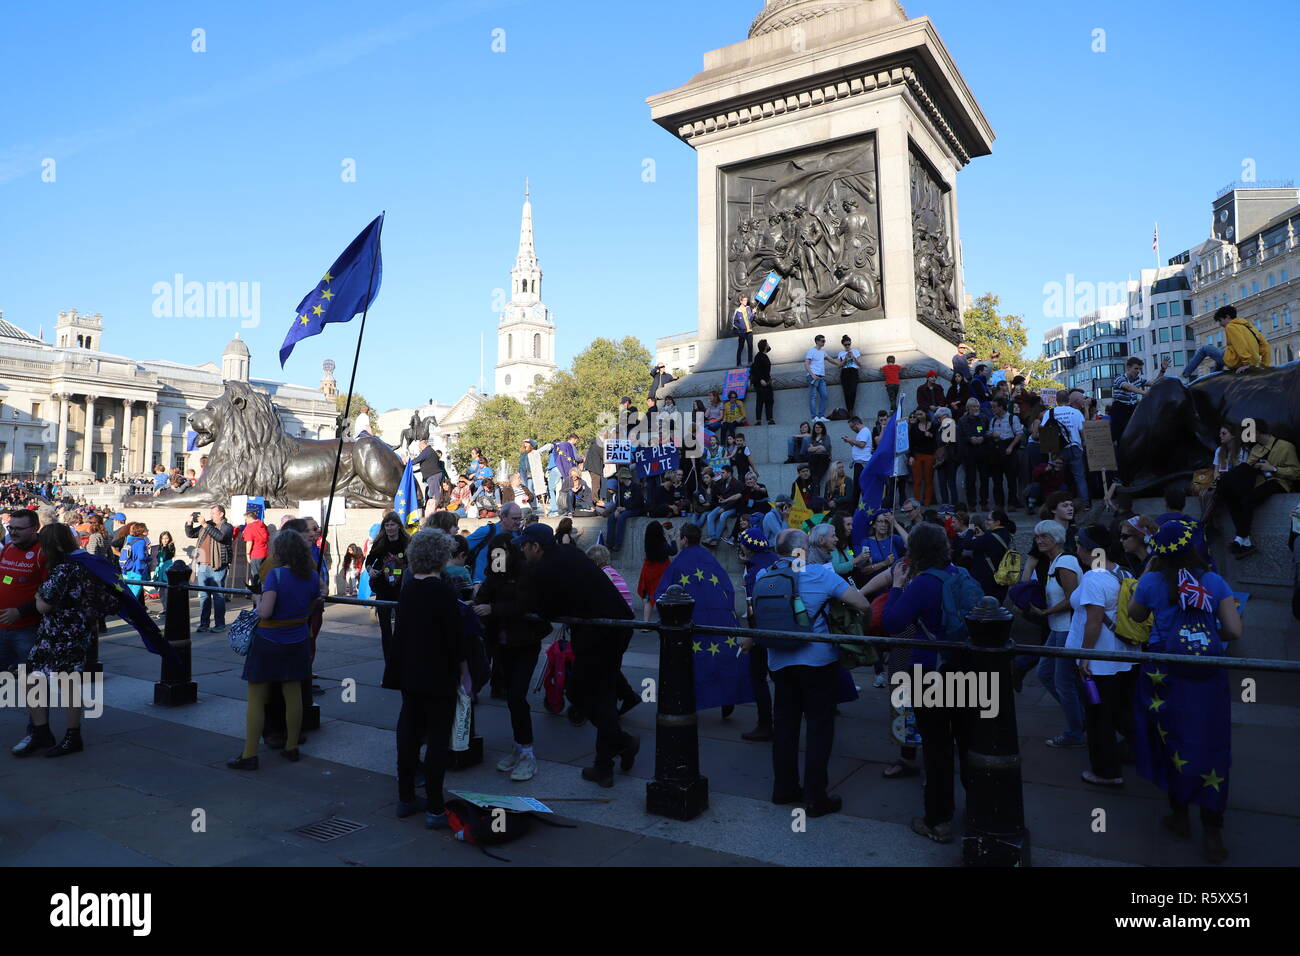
x=328 y=278
x=1212 y=779
x=327 y=295
x=1157 y=677
x=713 y=649
x=1162 y=732
x=1156 y=703
x=695 y=646
x=1178 y=762
x=317 y=310
x=713 y=579
x=731 y=642
x=303 y=319
x=686 y=579
x=699 y=574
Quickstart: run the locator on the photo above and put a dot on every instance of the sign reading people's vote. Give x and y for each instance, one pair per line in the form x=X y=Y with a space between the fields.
x=618 y=451
x=655 y=460
x=737 y=381
x=765 y=291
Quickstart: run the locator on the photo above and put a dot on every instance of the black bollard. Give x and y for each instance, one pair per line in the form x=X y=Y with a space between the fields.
x=175 y=686
x=677 y=791
x=995 y=805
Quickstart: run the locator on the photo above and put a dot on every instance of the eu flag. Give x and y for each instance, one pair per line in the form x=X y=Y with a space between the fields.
x=129 y=607
x=407 y=500
x=346 y=289
x=721 y=672
x=882 y=465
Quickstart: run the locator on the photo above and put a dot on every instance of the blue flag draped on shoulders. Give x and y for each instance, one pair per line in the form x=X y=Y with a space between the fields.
x=407 y=500
x=348 y=287
x=129 y=607
x=721 y=675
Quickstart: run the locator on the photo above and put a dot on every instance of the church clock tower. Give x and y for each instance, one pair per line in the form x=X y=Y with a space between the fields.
x=526 y=333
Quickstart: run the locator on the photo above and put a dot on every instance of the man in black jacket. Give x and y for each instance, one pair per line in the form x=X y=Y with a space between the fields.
x=974 y=443
x=211 y=562
x=628 y=502
x=431 y=470
x=658 y=379
x=564 y=582
x=760 y=377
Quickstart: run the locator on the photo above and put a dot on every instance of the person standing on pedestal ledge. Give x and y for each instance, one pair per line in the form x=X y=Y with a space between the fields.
x=742 y=323
x=760 y=376
x=814 y=362
x=961 y=362
x=848 y=362
x=930 y=395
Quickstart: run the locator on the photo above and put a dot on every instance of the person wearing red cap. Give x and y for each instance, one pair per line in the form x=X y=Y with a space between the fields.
x=930 y=395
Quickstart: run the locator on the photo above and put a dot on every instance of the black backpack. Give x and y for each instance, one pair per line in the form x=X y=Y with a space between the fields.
x=1051 y=436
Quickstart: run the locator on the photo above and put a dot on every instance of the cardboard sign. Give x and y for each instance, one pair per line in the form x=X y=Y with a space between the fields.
x=618 y=451
x=737 y=381
x=522 y=804
x=655 y=460
x=1049 y=398
x=1098 y=446
x=764 y=293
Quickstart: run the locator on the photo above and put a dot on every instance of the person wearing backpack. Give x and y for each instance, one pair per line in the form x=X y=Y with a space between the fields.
x=929 y=592
x=135 y=556
x=1095 y=608
x=792 y=594
x=1058 y=674
x=510 y=521
x=988 y=553
x=1183 y=732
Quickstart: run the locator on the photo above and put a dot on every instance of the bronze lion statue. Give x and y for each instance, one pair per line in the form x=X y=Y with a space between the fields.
x=1175 y=428
x=252 y=455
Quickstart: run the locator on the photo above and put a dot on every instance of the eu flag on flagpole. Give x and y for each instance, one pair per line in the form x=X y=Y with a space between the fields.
x=407 y=500
x=129 y=607
x=346 y=289
x=880 y=468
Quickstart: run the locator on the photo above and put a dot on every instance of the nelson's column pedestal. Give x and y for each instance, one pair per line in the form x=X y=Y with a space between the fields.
x=828 y=145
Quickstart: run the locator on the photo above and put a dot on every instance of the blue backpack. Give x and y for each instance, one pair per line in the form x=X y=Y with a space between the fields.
x=1195 y=634
x=961 y=593
x=778 y=607
x=136 y=560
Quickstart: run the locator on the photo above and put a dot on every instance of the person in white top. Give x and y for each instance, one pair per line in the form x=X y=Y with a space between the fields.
x=814 y=363
x=1068 y=412
x=1096 y=607
x=1058 y=674
x=861 y=442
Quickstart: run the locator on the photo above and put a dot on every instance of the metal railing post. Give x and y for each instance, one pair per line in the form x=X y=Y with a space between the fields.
x=677 y=791
x=995 y=804
x=175 y=685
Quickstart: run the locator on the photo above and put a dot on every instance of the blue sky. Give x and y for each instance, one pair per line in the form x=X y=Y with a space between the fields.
x=225 y=166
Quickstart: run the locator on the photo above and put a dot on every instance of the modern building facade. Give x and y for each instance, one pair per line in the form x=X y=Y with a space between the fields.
x=526 y=332
x=73 y=408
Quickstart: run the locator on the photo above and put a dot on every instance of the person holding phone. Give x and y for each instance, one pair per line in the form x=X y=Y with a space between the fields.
x=211 y=562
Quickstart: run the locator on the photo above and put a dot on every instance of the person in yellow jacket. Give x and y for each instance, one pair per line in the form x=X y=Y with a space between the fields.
x=1246 y=347
x=1271 y=467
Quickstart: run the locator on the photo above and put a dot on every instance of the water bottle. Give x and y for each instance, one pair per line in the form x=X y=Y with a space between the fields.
x=1090 y=689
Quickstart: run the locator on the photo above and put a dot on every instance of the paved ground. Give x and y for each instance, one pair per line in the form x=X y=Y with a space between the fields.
x=131 y=797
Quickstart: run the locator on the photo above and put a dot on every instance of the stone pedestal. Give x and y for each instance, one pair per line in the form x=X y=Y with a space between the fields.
x=828 y=145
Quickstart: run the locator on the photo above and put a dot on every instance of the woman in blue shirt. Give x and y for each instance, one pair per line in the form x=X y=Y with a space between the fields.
x=1184 y=720
x=280 y=652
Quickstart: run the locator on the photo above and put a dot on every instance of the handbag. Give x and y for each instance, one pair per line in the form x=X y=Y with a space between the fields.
x=241 y=632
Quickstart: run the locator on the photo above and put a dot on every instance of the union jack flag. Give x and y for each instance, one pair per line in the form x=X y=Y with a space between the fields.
x=1192 y=594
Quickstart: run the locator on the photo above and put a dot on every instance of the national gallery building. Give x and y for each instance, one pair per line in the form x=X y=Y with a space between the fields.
x=74 y=408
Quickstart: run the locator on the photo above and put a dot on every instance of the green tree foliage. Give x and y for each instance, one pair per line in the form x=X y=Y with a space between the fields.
x=358 y=403
x=576 y=398
x=988 y=331
x=499 y=426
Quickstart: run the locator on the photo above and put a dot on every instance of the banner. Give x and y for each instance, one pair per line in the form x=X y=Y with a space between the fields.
x=655 y=460
x=737 y=381
x=618 y=451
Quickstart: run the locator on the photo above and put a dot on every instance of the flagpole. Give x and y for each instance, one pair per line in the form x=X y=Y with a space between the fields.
x=328 y=509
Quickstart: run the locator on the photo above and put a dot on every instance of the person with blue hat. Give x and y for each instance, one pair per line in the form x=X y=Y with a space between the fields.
x=1183 y=732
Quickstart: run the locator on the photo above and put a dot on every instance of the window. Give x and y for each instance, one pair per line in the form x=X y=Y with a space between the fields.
x=537 y=345
x=1290 y=353
x=537 y=380
x=1273 y=316
x=1178 y=358
x=1286 y=315
x=1220 y=340
x=1153 y=335
x=510 y=346
x=1271 y=281
x=1242 y=292
x=677 y=354
x=1254 y=287
x=1162 y=310
x=1177 y=333
x=1284 y=275
x=99 y=416
x=80 y=341
x=1164 y=334
x=507 y=381
x=690 y=355
x=36 y=409
x=1175 y=308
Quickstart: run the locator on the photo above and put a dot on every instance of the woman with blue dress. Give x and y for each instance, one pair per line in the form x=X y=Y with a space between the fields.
x=280 y=652
x=1183 y=721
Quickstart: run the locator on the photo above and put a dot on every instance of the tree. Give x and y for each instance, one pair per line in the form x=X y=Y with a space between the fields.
x=359 y=404
x=499 y=426
x=988 y=331
x=576 y=399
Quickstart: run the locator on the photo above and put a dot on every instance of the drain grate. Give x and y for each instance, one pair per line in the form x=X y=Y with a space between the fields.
x=331 y=828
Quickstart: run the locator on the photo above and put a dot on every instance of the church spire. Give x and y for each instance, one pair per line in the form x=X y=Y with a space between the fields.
x=527 y=273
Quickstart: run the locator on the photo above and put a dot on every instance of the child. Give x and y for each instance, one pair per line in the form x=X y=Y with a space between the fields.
x=741 y=458
x=892 y=373
x=456 y=574
x=733 y=415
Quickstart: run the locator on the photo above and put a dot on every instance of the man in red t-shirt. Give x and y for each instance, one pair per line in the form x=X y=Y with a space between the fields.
x=256 y=538
x=22 y=571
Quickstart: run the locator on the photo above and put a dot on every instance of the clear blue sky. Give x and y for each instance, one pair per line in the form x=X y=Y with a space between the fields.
x=225 y=166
